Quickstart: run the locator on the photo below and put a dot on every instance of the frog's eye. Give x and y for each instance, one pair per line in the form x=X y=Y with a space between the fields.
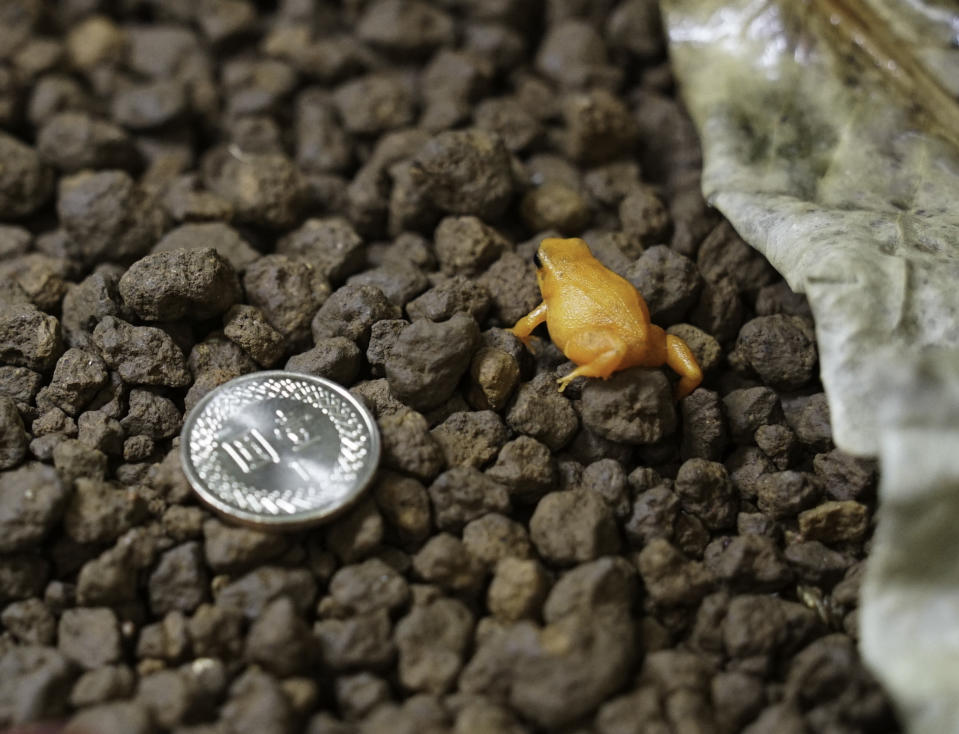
x=536 y=260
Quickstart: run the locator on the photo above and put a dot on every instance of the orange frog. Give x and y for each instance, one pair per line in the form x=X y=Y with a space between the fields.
x=599 y=320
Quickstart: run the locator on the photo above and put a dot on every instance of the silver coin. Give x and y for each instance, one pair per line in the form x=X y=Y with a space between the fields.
x=279 y=449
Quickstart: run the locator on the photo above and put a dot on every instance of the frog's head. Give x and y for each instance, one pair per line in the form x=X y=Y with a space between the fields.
x=558 y=258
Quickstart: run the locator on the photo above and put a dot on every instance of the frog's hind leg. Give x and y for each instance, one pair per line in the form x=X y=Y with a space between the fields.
x=681 y=360
x=597 y=354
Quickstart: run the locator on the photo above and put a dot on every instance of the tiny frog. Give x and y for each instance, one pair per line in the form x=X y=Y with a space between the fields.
x=599 y=320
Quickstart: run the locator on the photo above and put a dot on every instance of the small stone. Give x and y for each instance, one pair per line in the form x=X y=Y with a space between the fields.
x=428 y=359
x=247 y=327
x=749 y=409
x=368 y=586
x=555 y=206
x=704 y=430
x=151 y=415
x=815 y=563
x=98 y=431
x=466 y=172
x=176 y=283
x=494 y=537
x=525 y=467
x=361 y=641
x=13 y=437
x=835 y=522
x=737 y=698
x=142 y=355
x=149 y=105
x=494 y=375
x=704 y=489
x=634 y=406
x=375 y=103
x=432 y=640
x=405 y=28
x=331 y=244
x=107 y=217
x=204 y=235
x=810 y=421
x=669 y=577
x=508 y=118
x=180 y=581
x=751 y=562
x=30 y=621
x=445 y=561
x=784 y=494
x=229 y=549
x=517 y=589
x=645 y=218
x=452 y=295
x=350 y=312
x=28 y=337
x=667 y=281
x=470 y=438
x=383 y=336
x=781 y=349
x=404 y=504
x=257 y=703
x=265 y=189
x=408 y=445
x=167 y=640
x=399 y=281
x=466 y=246
x=594 y=588
x=108 y=683
x=653 y=515
x=280 y=640
x=542 y=412
x=89 y=637
x=573 y=526
x=462 y=494
x=22 y=576
x=762 y=624
x=356 y=696
x=73 y=459
x=73 y=141
x=25 y=183
x=511 y=282
x=573 y=54
x=216 y=632
x=845 y=477
x=724 y=254
x=335 y=358
x=599 y=127
x=32 y=500
x=719 y=310
x=288 y=292
x=778 y=442
x=100 y=511
x=250 y=593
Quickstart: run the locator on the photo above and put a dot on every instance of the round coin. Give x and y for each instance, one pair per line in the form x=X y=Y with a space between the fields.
x=279 y=449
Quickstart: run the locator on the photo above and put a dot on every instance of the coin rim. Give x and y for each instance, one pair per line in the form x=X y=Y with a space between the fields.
x=277 y=522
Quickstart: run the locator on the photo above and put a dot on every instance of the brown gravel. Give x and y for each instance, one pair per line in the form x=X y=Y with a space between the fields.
x=194 y=191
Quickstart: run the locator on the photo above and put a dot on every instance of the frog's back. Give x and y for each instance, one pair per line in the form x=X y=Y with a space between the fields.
x=597 y=299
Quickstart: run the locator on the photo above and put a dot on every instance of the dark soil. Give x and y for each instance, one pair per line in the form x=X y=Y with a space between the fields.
x=191 y=191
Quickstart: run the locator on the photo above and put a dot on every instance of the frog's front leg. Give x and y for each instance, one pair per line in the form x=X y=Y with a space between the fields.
x=598 y=354
x=524 y=327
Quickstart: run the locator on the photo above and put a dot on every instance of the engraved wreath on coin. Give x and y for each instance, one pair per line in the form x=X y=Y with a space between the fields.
x=302 y=452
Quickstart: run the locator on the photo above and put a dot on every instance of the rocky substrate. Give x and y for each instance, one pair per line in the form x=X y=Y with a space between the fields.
x=192 y=191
